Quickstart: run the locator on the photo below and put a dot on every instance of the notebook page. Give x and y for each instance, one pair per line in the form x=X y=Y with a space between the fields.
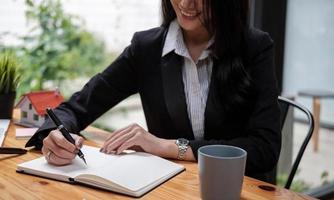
x=95 y=161
x=4 y=123
x=135 y=171
x=138 y=170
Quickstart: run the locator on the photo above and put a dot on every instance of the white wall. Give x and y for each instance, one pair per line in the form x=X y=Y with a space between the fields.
x=309 y=51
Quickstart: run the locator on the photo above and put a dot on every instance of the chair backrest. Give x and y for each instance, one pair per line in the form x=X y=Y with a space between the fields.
x=285 y=105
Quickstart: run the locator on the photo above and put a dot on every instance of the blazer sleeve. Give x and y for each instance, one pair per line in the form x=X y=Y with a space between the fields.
x=100 y=93
x=263 y=139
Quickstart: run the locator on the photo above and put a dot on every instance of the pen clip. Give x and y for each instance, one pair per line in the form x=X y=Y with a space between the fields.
x=60 y=127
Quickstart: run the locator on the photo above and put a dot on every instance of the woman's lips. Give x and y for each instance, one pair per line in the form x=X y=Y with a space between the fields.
x=188 y=14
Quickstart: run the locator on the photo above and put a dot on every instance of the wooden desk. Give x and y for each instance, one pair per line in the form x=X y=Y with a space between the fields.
x=184 y=186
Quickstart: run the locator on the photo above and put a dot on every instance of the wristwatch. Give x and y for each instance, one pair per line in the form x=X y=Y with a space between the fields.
x=182 y=145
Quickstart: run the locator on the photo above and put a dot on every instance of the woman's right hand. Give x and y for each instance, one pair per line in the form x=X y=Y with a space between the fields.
x=58 y=151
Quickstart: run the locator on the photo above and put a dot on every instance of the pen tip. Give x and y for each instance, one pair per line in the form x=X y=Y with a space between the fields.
x=84 y=160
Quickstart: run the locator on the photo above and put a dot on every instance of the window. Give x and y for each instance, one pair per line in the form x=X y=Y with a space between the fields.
x=24 y=114
x=35 y=117
x=312 y=60
x=30 y=106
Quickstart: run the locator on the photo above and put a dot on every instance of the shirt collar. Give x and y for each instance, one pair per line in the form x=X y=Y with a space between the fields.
x=172 y=35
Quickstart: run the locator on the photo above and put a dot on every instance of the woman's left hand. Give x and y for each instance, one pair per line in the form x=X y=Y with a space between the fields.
x=134 y=137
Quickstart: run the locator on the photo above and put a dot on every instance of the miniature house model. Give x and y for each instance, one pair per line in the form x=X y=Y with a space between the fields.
x=33 y=105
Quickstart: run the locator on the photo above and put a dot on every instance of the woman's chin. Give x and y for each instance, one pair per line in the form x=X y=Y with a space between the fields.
x=189 y=24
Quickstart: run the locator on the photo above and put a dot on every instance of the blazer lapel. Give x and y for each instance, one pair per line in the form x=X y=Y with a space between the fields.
x=171 y=69
x=213 y=115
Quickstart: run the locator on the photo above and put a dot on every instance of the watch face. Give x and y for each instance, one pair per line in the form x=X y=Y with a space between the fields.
x=182 y=142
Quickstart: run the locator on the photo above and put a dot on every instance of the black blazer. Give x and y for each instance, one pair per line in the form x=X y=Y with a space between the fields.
x=158 y=80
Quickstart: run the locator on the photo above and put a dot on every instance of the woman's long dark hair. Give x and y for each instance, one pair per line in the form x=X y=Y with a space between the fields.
x=227 y=20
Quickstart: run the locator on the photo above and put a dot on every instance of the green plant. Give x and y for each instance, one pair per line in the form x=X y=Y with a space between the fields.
x=324 y=178
x=297 y=185
x=56 y=48
x=9 y=76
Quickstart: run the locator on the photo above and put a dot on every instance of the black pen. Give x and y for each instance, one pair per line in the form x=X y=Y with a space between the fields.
x=12 y=150
x=63 y=130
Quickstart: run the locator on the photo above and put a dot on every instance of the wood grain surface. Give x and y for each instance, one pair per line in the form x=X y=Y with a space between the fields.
x=14 y=185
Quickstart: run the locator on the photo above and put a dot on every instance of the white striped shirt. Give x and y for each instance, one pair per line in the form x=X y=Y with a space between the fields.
x=196 y=77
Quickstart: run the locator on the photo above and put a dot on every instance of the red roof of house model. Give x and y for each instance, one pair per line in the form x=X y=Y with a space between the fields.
x=42 y=100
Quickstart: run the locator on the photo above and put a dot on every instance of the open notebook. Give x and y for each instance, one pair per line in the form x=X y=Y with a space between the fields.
x=133 y=173
x=4 y=124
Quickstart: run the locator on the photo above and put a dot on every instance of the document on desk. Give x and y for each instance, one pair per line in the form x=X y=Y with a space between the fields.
x=132 y=173
x=25 y=133
x=4 y=124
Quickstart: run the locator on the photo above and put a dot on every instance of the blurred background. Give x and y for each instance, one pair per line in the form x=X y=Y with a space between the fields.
x=61 y=44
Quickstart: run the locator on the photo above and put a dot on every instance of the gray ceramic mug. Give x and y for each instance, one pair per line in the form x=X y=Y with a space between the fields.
x=221 y=171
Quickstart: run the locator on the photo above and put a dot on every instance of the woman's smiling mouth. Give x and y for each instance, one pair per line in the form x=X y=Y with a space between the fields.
x=187 y=13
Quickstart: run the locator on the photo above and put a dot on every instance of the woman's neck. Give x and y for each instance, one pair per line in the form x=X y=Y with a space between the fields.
x=196 y=37
x=196 y=42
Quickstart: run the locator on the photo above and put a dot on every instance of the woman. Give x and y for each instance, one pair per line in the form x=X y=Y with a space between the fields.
x=204 y=77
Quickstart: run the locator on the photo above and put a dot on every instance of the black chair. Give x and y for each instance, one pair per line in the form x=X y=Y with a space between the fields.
x=285 y=105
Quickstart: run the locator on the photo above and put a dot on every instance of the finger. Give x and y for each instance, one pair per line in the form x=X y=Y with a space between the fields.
x=119 y=141
x=46 y=145
x=116 y=132
x=136 y=148
x=44 y=150
x=78 y=141
x=127 y=144
x=116 y=136
x=59 y=151
x=61 y=141
x=55 y=160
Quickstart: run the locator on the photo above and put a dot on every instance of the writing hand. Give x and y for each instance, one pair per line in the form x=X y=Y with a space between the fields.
x=58 y=151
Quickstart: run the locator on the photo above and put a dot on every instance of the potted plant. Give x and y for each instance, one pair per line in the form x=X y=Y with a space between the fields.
x=9 y=80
